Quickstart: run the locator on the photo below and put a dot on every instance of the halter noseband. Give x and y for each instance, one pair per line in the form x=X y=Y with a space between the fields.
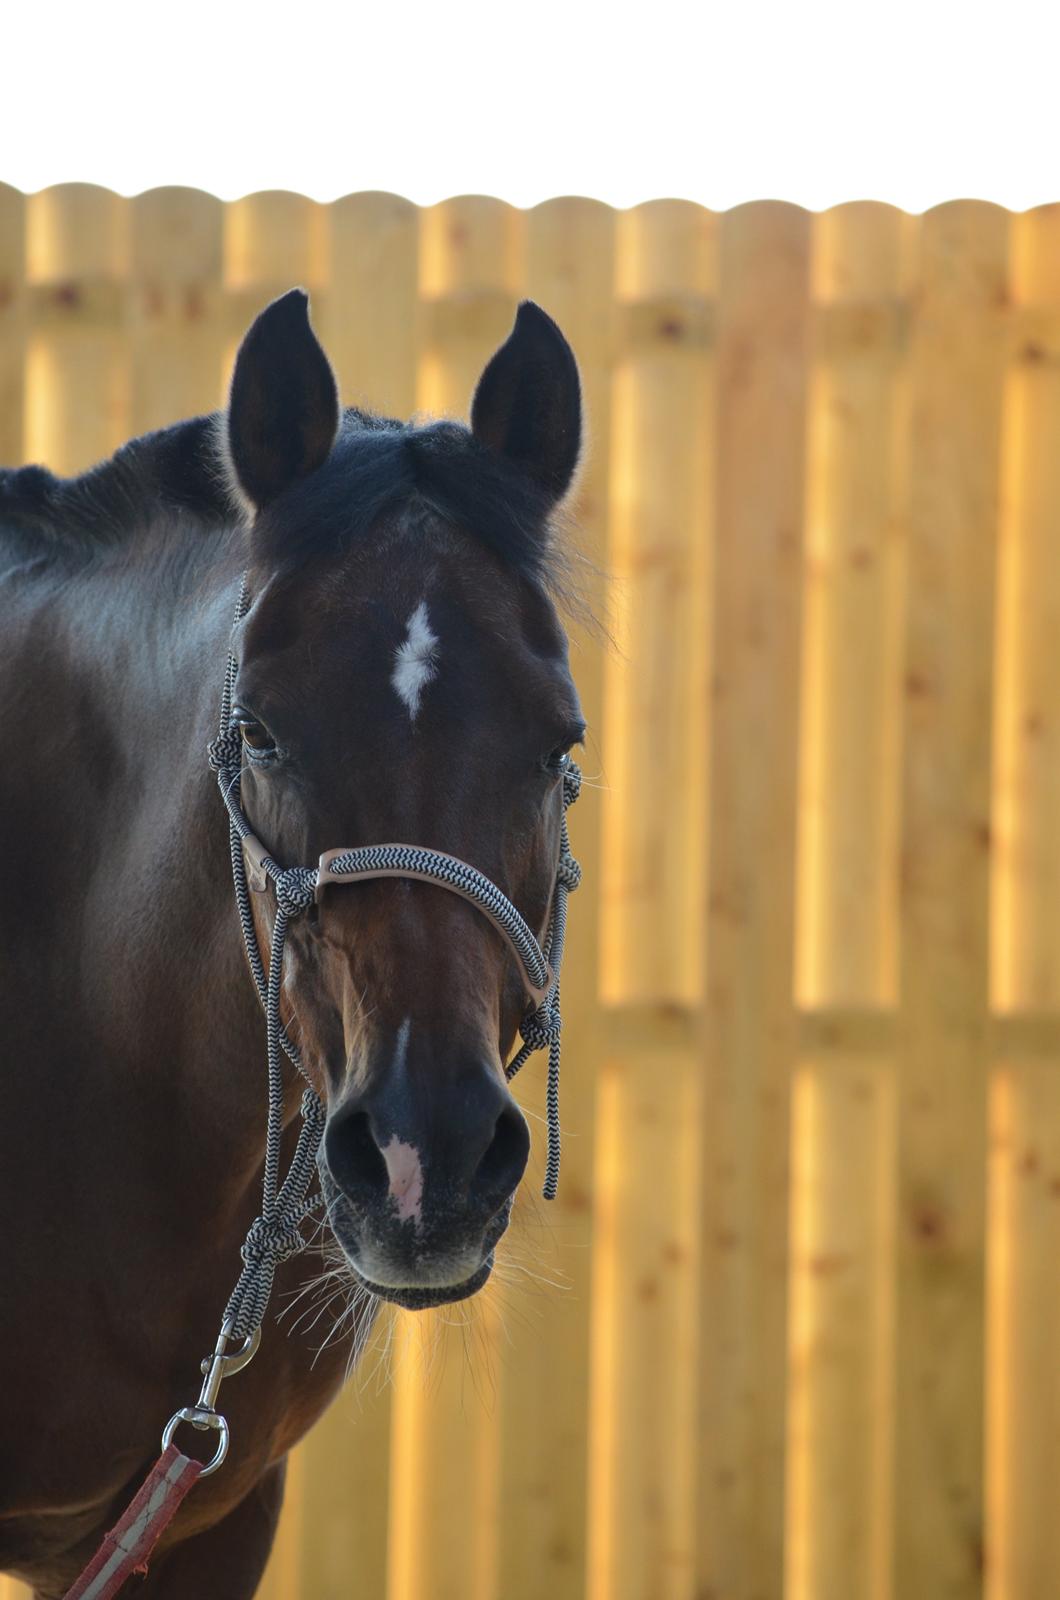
x=356 y=865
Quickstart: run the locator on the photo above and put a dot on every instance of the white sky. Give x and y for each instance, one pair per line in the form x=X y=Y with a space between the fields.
x=815 y=101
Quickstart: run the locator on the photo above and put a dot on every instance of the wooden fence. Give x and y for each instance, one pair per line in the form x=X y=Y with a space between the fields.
x=807 y=1339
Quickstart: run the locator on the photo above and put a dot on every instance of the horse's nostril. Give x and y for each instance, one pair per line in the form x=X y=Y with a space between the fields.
x=505 y=1160
x=355 y=1158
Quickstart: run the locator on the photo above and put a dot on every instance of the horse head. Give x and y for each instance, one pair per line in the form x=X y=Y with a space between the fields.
x=403 y=676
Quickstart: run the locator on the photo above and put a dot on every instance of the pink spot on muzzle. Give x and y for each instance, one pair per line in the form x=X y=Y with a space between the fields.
x=406 y=1178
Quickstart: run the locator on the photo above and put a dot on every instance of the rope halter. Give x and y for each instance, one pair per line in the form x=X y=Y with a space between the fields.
x=276 y=1235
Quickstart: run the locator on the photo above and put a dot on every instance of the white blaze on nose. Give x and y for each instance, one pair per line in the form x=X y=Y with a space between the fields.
x=406 y=1178
x=415 y=660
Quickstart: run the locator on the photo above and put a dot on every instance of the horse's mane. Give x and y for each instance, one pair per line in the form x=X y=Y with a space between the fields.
x=377 y=466
x=173 y=468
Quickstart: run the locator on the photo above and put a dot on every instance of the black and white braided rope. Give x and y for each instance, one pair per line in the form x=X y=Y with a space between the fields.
x=276 y=1234
x=542 y=1029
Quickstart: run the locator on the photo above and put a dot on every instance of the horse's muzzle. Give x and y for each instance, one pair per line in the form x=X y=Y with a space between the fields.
x=418 y=1202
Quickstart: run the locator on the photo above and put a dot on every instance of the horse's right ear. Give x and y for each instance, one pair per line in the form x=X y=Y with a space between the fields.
x=528 y=407
x=283 y=408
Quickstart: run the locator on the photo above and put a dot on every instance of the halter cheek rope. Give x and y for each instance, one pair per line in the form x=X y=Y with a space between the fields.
x=276 y=1234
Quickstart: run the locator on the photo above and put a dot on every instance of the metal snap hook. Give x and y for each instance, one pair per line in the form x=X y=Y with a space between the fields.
x=215 y=1369
x=220 y=1365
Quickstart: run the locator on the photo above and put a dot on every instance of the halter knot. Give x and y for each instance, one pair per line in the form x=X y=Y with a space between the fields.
x=542 y=1027
x=569 y=873
x=295 y=889
x=272 y=1241
x=226 y=750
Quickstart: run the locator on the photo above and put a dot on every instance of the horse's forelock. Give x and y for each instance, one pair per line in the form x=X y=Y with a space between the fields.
x=383 y=473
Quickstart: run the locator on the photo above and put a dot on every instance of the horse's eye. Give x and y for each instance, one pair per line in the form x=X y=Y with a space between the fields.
x=258 y=739
x=558 y=761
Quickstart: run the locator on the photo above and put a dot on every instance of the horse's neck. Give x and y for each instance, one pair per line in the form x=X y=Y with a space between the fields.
x=153 y=937
x=149 y=635
x=144 y=649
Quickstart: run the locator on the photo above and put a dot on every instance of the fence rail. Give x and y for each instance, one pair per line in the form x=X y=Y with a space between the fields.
x=807 y=1345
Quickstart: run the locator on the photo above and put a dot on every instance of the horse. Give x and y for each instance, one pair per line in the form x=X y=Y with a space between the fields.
x=401 y=672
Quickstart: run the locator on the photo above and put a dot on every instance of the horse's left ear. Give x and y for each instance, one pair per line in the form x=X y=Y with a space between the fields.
x=528 y=405
x=283 y=408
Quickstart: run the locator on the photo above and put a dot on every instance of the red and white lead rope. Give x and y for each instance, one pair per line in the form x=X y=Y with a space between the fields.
x=126 y=1547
